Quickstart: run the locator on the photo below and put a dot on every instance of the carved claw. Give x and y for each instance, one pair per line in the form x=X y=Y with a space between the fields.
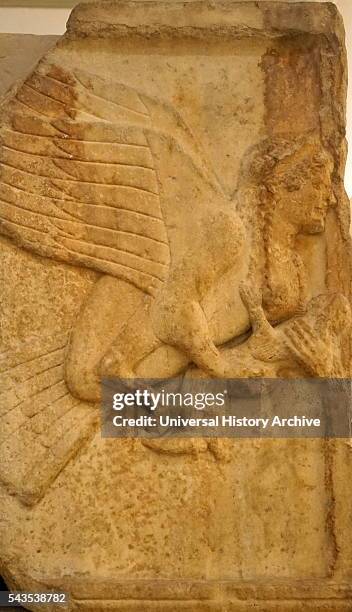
x=309 y=349
x=252 y=299
x=251 y=296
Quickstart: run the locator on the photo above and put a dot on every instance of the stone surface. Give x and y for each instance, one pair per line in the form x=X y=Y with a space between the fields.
x=172 y=201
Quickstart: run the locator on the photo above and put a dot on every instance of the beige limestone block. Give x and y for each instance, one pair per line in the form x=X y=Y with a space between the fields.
x=172 y=201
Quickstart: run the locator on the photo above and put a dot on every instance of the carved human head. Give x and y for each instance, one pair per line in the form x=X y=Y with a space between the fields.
x=294 y=177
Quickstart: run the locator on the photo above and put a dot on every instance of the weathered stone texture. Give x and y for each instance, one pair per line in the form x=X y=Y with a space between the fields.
x=171 y=200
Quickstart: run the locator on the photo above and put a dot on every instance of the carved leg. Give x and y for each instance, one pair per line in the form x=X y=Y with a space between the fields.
x=184 y=325
x=265 y=344
x=252 y=299
x=135 y=341
x=108 y=308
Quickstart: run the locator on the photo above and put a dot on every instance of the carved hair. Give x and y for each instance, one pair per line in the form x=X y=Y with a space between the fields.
x=263 y=160
x=268 y=167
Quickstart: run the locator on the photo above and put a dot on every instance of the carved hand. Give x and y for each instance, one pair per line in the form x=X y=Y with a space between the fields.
x=309 y=349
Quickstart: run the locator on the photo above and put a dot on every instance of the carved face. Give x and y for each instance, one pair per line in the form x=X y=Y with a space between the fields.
x=304 y=189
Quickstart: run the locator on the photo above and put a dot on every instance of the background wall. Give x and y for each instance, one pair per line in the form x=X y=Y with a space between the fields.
x=22 y=19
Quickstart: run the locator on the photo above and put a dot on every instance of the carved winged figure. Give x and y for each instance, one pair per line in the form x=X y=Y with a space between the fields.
x=98 y=175
x=95 y=174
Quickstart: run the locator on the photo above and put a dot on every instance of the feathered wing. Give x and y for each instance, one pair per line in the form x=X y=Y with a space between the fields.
x=78 y=181
x=42 y=425
x=78 y=184
x=77 y=177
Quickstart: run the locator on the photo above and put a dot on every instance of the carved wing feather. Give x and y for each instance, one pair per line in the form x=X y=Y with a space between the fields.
x=77 y=176
x=38 y=412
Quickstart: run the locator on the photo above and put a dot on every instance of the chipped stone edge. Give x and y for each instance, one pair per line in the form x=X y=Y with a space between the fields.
x=200 y=18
